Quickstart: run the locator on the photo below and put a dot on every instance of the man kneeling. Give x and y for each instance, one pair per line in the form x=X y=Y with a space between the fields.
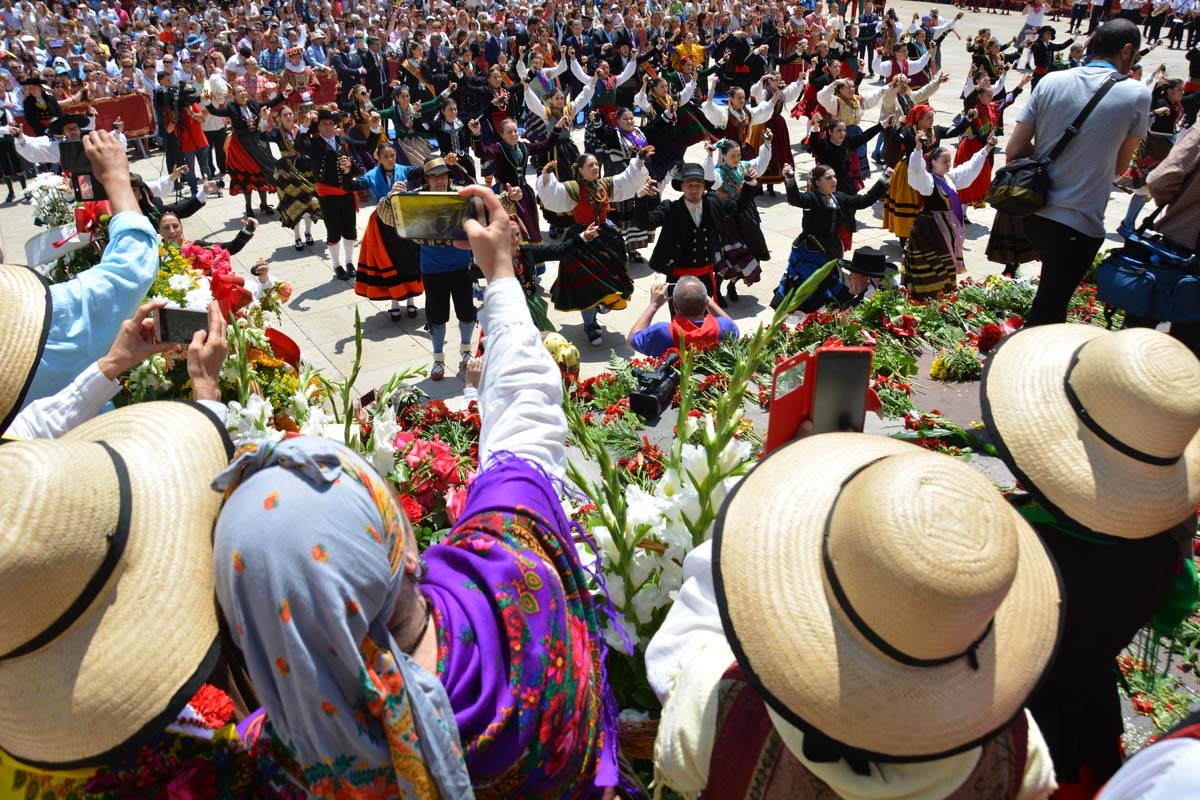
x=698 y=321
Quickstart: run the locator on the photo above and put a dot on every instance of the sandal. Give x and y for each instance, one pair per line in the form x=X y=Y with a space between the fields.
x=438 y=372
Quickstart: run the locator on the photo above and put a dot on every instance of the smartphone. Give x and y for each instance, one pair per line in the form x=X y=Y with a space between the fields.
x=435 y=215
x=179 y=325
x=829 y=386
x=75 y=163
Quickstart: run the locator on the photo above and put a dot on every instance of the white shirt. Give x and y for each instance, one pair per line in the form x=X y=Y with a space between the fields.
x=695 y=209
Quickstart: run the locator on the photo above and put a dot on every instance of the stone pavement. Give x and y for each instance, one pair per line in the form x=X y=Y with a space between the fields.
x=320 y=314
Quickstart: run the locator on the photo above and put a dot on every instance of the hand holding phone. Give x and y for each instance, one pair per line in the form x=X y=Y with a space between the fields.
x=179 y=325
x=435 y=215
x=801 y=404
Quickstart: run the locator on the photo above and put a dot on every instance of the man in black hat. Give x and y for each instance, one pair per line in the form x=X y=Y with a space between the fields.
x=71 y=127
x=691 y=228
x=335 y=163
x=1043 y=50
x=40 y=108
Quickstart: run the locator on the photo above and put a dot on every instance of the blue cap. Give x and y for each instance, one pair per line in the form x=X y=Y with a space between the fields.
x=194 y=40
x=56 y=43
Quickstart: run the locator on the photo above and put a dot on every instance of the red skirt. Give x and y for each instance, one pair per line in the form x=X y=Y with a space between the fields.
x=790 y=73
x=781 y=148
x=808 y=105
x=380 y=251
x=245 y=175
x=967 y=148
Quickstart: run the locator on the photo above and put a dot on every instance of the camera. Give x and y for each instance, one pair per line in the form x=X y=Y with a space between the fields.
x=655 y=389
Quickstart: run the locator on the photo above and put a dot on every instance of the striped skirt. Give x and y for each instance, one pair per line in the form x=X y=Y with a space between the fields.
x=902 y=203
x=593 y=274
x=389 y=268
x=933 y=254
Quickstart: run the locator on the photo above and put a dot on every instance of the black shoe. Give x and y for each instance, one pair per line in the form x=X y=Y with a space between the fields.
x=731 y=290
x=266 y=210
x=308 y=240
x=722 y=302
x=10 y=198
x=299 y=246
x=396 y=314
x=594 y=337
x=340 y=273
x=351 y=271
x=770 y=190
x=412 y=312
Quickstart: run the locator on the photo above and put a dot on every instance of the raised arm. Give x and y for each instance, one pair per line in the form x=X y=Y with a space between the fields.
x=630 y=182
x=918 y=177
x=553 y=194
x=963 y=174
x=627 y=73
x=760 y=164
x=688 y=92
x=578 y=72
x=763 y=111
x=581 y=100
x=534 y=104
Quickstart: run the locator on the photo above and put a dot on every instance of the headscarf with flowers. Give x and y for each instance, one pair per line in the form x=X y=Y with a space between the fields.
x=308 y=554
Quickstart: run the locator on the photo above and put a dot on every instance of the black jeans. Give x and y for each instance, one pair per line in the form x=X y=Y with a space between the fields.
x=440 y=288
x=1099 y=15
x=216 y=147
x=339 y=215
x=1066 y=256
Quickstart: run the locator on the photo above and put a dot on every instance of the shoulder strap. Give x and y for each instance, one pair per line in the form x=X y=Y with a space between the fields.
x=1077 y=123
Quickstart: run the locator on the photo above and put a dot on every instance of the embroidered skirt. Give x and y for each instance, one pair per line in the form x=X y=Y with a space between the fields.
x=247 y=164
x=593 y=274
x=297 y=195
x=624 y=216
x=736 y=261
x=902 y=203
x=389 y=268
x=933 y=253
x=781 y=148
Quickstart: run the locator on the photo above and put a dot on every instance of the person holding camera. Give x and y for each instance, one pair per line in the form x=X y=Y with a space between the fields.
x=698 y=322
x=47 y=149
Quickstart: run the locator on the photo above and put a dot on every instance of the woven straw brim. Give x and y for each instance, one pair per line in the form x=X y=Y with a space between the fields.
x=809 y=663
x=127 y=666
x=1058 y=460
x=25 y=300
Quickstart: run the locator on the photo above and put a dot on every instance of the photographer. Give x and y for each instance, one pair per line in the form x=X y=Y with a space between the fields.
x=46 y=149
x=698 y=322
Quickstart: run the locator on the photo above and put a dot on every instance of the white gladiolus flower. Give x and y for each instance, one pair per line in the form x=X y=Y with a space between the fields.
x=199 y=298
x=181 y=283
x=317 y=421
x=604 y=540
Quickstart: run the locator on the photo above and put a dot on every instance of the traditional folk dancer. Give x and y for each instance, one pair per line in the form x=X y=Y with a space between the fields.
x=593 y=276
x=557 y=117
x=903 y=202
x=898 y=99
x=842 y=101
x=987 y=120
x=292 y=176
x=823 y=69
x=933 y=254
x=247 y=157
x=453 y=136
x=541 y=81
x=734 y=119
x=897 y=63
x=663 y=123
x=389 y=268
x=1167 y=116
x=837 y=148
x=617 y=148
x=411 y=140
x=743 y=244
x=335 y=163
x=510 y=158
x=493 y=96
x=604 y=99
x=824 y=230
x=767 y=92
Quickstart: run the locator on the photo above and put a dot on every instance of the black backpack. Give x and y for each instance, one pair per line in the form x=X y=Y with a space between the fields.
x=1020 y=187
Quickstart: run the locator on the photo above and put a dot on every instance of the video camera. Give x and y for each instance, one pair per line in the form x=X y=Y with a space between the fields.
x=655 y=389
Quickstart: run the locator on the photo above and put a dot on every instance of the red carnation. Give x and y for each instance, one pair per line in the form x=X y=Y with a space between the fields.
x=412 y=509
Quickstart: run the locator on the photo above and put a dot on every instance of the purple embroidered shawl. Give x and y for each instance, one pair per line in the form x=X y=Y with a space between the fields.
x=951 y=195
x=520 y=649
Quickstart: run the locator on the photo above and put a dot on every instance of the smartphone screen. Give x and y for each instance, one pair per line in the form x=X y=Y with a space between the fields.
x=840 y=392
x=179 y=325
x=434 y=215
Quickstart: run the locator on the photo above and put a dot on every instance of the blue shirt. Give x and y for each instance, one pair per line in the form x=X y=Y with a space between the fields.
x=86 y=312
x=657 y=339
x=377 y=184
x=440 y=259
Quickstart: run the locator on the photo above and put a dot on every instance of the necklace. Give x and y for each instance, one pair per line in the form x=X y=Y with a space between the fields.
x=424 y=628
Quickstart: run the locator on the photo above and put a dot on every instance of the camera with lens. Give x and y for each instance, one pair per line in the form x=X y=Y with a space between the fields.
x=655 y=389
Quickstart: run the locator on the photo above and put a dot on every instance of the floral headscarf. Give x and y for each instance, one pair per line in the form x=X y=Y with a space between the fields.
x=308 y=555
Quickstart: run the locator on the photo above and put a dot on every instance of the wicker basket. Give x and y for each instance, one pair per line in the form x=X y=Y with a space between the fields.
x=637 y=739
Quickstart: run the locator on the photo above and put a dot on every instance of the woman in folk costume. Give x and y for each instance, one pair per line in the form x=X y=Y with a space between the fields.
x=617 y=148
x=743 y=243
x=563 y=151
x=247 y=157
x=389 y=268
x=493 y=95
x=297 y=80
x=933 y=254
x=834 y=148
x=664 y=124
x=842 y=101
x=604 y=99
x=510 y=159
x=827 y=224
x=411 y=138
x=983 y=127
x=292 y=177
x=903 y=202
x=595 y=275
x=453 y=136
x=474 y=668
x=823 y=70
x=792 y=41
x=769 y=93
x=734 y=119
x=1166 y=117
x=800 y=660
x=541 y=81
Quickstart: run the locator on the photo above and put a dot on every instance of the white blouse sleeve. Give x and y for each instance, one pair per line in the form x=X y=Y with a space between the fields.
x=522 y=70
x=641 y=100
x=710 y=172
x=918 y=177
x=688 y=92
x=964 y=174
x=764 y=159
x=627 y=73
x=79 y=401
x=556 y=70
x=917 y=65
x=553 y=194
x=161 y=186
x=871 y=97
x=520 y=393
x=792 y=91
x=38 y=149
x=757 y=91
x=580 y=102
x=717 y=115
x=630 y=182
x=827 y=100
x=534 y=103
x=762 y=112
x=579 y=73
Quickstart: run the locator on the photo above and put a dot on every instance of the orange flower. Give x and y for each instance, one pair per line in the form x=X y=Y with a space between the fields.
x=328 y=707
x=238 y=564
x=285 y=612
x=271 y=502
x=282 y=665
x=319 y=553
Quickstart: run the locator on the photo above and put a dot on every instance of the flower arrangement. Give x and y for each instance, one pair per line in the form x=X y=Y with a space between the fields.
x=52 y=202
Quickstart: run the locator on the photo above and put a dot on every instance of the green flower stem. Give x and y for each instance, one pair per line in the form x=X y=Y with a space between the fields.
x=349 y=384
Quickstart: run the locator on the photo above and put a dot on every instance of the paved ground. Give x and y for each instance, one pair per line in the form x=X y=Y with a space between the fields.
x=320 y=315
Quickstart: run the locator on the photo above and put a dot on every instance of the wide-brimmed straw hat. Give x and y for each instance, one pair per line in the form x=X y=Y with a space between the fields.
x=883 y=596
x=107 y=620
x=1099 y=426
x=24 y=322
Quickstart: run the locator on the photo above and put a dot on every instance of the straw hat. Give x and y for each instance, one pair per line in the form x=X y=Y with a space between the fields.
x=25 y=300
x=883 y=595
x=107 y=619
x=1127 y=463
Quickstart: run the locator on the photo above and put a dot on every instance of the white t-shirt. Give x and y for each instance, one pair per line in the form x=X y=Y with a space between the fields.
x=1035 y=15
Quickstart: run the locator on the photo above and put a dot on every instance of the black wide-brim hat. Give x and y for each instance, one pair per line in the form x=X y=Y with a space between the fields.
x=690 y=172
x=55 y=128
x=1045 y=28
x=32 y=80
x=325 y=114
x=871 y=263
